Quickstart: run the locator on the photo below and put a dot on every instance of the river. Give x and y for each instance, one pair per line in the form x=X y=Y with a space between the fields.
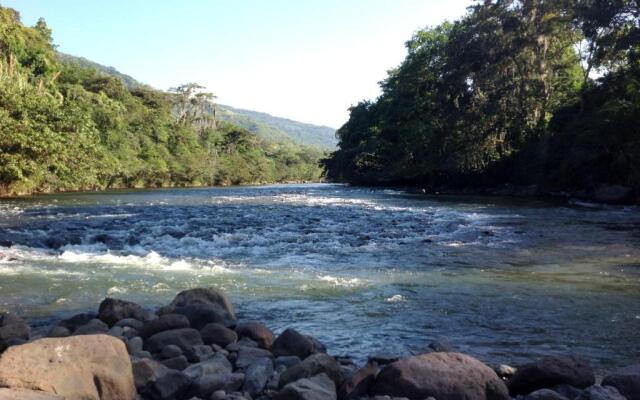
x=364 y=270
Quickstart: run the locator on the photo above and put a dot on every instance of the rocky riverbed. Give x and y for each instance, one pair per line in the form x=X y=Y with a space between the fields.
x=196 y=348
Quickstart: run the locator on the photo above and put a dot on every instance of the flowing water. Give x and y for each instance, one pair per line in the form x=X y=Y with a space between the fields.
x=366 y=271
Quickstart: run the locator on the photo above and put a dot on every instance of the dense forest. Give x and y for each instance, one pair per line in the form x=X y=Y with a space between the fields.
x=67 y=126
x=526 y=92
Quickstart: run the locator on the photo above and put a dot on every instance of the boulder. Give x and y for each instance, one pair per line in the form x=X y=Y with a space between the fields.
x=313 y=365
x=145 y=371
x=257 y=332
x=545 y=394
x=285 y=362
x=597 y=392
x=180 y=363
x=202 y=306
x=218 y=364
x=613 y=194
x=23 y=394
x=165 y=322
x=12 y=328
x=116 y=331
x=76 y=321
x=292 y=343
x=256 y=376
x=451 y=376
x=205 y=385
x=318 y=346
x=113 y=310
x=318 y=387
x=93 y=327
x=58 y=331
x=358 y=384
x=99 y=365
x=184 y=338
x=626 y=380
x=219 y=334
x=171 y=351
x=249 y=355
x=199 y=353
x=568 y=391
x=551 y=371
x=131 y=323
x=134 y=345
x=172 y=385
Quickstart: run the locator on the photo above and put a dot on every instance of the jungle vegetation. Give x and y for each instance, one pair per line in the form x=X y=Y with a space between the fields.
x=65 y=125
x=528 y=92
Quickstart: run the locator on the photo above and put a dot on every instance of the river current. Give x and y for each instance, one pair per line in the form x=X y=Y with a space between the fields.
x=364 y=270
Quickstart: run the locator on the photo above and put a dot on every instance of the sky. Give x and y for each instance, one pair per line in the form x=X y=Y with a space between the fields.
x=307 y=60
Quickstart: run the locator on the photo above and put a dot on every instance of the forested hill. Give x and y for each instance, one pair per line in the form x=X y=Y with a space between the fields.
x=543 y=93
x=262 y=124
x=68 y=126
x=277 y=128
x=69 y=59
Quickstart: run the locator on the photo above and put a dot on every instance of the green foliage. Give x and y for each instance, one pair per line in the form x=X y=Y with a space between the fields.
x=279 y=129
x=504 y=95
x=69 y=126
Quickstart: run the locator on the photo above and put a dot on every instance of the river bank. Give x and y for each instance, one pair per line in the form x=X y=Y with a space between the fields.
x=196 y=348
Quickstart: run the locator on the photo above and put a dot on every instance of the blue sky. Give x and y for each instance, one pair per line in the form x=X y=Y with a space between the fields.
x=303 y=59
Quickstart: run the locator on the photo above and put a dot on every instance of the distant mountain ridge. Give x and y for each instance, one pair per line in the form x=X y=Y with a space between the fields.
x=267 y=125
x=261 y=124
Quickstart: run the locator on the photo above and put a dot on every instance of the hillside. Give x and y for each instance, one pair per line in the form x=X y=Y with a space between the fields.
x=276 y=128
x=70 y=124
x=261 y=124
x=68 y=59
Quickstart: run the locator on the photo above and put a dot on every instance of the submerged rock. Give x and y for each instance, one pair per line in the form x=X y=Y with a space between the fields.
x=551 y=371
x=77 y=367
x=441 y=375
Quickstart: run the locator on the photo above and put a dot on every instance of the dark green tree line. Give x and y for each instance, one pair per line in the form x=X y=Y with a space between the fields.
x=519 y=92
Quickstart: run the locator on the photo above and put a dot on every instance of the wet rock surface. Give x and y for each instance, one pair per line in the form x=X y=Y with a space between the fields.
x=128 y=352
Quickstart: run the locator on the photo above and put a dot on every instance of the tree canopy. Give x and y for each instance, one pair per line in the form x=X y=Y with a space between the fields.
x=64 y=126
x=522 y=92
